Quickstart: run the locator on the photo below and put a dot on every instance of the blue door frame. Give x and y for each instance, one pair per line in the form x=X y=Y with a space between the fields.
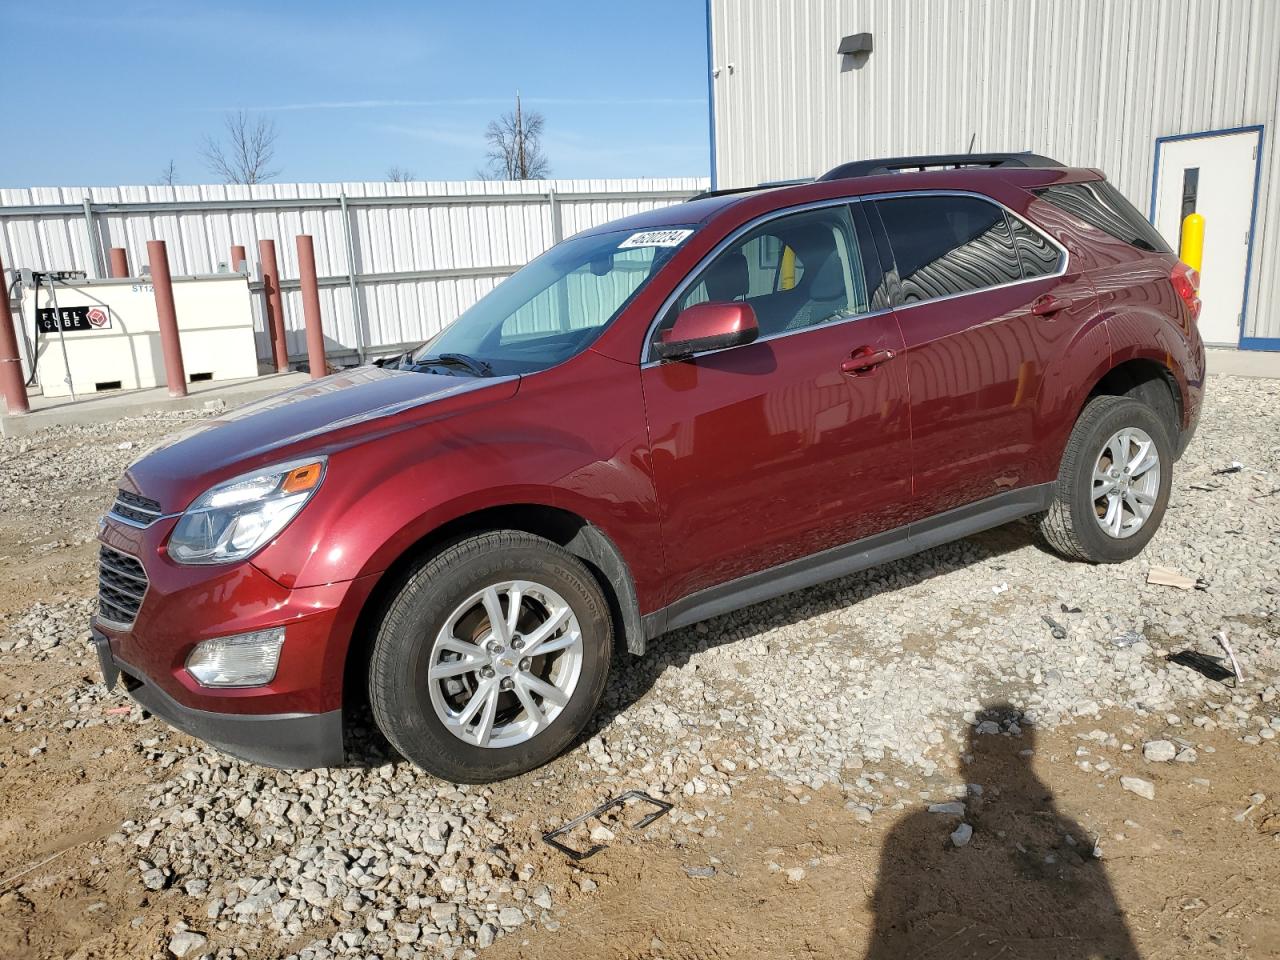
x=1246 y=343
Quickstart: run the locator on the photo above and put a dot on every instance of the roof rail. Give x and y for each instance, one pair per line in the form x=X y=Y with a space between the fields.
x=953 y=161
x=760 y=186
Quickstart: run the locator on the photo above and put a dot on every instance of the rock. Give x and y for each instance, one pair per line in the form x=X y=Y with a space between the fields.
x=861 y=812
x=952 y=808
x=795 y=875
x=704 y=873
x=442 y=913
x=1143 y=788
x=155 y=879
x=510 y=917
x=1159 y=751
x=962 y=834
x=601 y=834
x=406 y=932
x=187 y=941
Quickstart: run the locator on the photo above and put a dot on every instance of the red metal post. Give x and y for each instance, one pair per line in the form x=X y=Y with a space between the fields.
x=12 y=385
x=311 y=306
x=162 y=283
x=238 y=256
x=119 y=262
x=275 y=306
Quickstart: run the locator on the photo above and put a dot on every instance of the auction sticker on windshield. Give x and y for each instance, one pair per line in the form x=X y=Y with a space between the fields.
x=656 y=238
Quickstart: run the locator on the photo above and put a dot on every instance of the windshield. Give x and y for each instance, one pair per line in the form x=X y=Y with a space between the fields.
x=554 y=307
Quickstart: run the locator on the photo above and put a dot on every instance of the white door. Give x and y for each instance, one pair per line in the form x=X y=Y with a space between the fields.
x=1213 y=175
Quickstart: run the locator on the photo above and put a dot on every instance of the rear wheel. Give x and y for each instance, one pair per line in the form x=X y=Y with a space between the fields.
x=492 y=658
x=1113 y=485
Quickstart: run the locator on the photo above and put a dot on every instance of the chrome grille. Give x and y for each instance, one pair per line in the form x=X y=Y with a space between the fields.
x=137 y=510
x=122 y=583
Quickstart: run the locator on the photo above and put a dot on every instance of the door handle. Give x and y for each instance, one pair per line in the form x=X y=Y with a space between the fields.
x=864 y=360
x=1048 y=305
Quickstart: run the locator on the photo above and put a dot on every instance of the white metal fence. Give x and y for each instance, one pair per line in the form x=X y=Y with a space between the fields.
x=396 y=261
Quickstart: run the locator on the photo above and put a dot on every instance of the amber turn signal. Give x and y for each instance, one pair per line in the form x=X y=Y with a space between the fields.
x=302 y=479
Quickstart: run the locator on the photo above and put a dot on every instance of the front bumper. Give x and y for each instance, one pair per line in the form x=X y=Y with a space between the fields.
x=293 y=721
x=285 y=740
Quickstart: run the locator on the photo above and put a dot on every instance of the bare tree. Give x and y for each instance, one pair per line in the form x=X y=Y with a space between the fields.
x=515 y=147
x=400 y=175
x=169 y=175
x=247 y=153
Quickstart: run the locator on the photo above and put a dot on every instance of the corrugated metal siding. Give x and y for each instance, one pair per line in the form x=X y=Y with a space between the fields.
x=1090 y=82
x=483 y=242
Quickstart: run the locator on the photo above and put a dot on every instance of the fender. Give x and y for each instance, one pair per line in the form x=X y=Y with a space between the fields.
x=578 y=534
x=396 y=491
x=1082 y=361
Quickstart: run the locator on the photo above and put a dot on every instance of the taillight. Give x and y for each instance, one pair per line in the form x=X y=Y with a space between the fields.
x=1187 y=284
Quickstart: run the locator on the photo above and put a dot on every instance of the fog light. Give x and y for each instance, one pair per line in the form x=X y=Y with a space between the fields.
x=248 y=660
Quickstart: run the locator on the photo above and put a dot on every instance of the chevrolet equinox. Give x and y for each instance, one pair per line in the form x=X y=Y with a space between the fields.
x=658 y=420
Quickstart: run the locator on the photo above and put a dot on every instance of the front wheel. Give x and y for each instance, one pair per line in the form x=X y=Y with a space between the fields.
x=492 y=658
x=1113 y=486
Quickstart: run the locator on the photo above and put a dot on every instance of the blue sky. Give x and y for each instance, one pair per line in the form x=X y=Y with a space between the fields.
x=353 y=88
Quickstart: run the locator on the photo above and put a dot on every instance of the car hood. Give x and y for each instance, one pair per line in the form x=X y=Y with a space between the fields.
x=322 y=415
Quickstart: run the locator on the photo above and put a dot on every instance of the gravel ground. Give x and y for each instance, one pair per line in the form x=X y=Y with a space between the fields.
x=870 y=686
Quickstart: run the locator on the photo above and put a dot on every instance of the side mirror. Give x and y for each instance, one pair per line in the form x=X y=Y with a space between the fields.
x=707 y=326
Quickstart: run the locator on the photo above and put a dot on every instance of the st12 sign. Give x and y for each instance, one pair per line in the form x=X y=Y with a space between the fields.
x=88 y=317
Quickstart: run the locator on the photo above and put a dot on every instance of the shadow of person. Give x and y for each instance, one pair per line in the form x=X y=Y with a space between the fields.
x=1026 y=885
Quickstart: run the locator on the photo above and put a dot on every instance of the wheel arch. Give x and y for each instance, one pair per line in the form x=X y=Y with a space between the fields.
x=575 y=533
x=1149 y=380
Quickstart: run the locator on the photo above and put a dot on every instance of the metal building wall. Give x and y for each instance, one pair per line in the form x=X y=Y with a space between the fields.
x=1090 y=82
x=464 y=235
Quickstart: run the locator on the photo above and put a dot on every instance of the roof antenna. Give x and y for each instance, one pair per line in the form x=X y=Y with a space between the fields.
x=972 y=140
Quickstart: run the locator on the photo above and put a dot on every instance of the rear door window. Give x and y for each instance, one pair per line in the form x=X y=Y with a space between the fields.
x=947 y=245
x=1101 y=205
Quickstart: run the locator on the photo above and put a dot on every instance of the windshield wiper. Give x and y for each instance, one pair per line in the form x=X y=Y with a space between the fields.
x=478 y=367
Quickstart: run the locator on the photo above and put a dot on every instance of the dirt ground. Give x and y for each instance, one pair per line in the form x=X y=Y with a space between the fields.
x=779 y=872
x=1186 y=880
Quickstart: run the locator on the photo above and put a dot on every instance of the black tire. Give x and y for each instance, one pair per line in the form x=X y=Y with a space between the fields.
x=398 y=683
x=1071 y=524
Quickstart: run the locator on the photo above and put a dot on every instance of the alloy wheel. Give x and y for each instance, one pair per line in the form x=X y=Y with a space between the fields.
x=1126 y=482
x=505 y=663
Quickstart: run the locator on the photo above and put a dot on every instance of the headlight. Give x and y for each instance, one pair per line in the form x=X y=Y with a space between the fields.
x=232 y=520
x=247 y=660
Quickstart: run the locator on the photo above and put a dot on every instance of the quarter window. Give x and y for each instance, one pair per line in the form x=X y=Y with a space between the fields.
x=1101 y=205
x=945 y=245
x=1038 y=256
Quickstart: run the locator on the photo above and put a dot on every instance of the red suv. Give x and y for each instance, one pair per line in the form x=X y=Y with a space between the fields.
x=657 y=421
